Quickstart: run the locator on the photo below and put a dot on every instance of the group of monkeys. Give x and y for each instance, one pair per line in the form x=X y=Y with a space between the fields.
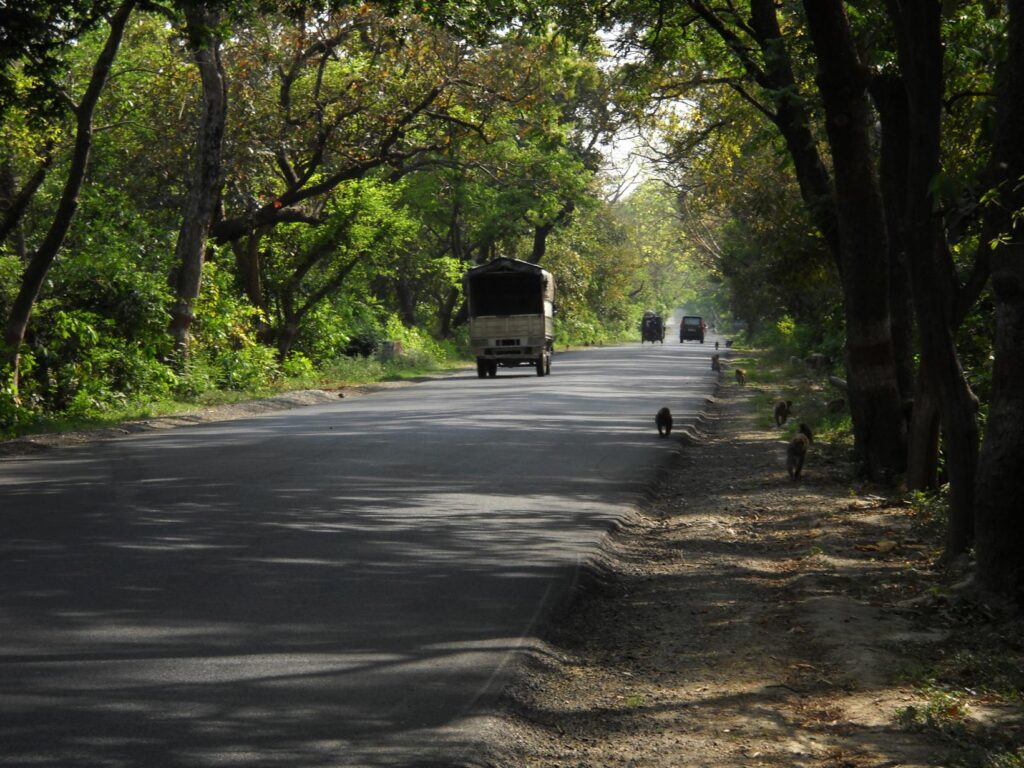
x=797 y=449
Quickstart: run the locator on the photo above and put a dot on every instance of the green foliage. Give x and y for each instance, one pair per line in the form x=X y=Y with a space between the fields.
x=931 y=508
x=419 y=350
x=944 y=710
x=225 y=352
x=786 y=338
x=11 y=412
x=80 y=365
x=354 y=370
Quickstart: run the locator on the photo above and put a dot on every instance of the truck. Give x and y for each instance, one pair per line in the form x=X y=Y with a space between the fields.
x=511 y=315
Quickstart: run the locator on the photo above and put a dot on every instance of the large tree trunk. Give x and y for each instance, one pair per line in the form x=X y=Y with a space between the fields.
x=1000 y=481
x=405 y=297
x=923 y=450
x=890 y=99
x=446 y=313
x=875 y=401
x=919 y=46
x=201 y=24
x=42 y=259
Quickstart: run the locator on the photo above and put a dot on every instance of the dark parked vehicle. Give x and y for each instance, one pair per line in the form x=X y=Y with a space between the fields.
x=652 y=328
x=692 y=329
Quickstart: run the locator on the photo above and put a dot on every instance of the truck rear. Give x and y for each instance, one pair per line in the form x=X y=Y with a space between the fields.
x=511 y=308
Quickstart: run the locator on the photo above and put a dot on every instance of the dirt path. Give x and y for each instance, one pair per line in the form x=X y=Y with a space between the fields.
x=742 y=619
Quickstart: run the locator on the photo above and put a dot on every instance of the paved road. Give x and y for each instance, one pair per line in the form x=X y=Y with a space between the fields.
x=337 y=585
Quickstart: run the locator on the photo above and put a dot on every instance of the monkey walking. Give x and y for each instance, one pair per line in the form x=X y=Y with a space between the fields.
x=716 y=346
x=741 y=376
x=782 y=410
x=663 y=420
x=796 y=451
x=716 y=363
x=837 y=406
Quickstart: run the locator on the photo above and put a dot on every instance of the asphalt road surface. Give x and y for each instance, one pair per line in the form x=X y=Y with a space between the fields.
x=340 y=585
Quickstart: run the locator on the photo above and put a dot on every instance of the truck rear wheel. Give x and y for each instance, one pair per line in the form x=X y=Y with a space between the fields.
x=492 y=368
x=481 y=367
x=540 y=365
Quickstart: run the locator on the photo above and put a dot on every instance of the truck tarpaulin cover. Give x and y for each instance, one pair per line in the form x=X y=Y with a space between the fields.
x=506 y=287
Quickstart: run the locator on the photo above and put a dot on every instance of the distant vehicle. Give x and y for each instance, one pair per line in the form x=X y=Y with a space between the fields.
x=652 y=328
x=511 y=315
x=692 y=329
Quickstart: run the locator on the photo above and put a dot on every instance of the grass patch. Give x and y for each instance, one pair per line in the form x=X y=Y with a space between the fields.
x=340 y=373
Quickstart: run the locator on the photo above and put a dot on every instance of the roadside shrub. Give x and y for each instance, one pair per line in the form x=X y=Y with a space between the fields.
x=252 y=367
x=196 y=377
x=298 y=366
x=329 y=329
x=225 y=352
x=11 y=414
x=419 y=349
x=78 y=364
x=354 y=370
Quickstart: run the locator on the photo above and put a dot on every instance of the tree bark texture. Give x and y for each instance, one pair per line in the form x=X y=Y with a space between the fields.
x=923 y=448
x=890 y=98
x=919 y=46
x=1000 y=481
x=42 y=258
x=446 y=313
x=875 y=402
x=204 y=187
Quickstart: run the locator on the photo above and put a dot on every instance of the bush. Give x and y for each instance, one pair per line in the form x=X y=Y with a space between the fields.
x=354 y=370
x=298 y=366
x=11 y=413
x=253 y=367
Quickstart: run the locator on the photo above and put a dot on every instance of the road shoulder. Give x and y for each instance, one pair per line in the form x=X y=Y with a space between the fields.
x=741 y=618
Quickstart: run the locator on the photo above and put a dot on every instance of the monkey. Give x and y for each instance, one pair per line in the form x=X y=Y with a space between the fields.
x=716 y=363
x=716 y=346
x=782 y=411
x=728 y=343
x=663 y=420
x=741 y=376
x=836 y=406
x=796 y=451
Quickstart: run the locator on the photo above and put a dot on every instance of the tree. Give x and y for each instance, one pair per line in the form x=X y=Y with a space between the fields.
x=362 y=229
x=42 y=258
x=34 y=37
x=202 y=21
x=1000 y=484
x=935 y=286
x=344 y=98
